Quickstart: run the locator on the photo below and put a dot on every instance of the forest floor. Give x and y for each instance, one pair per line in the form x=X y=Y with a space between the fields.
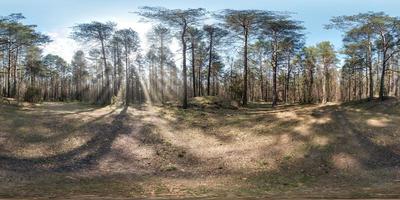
x=72 y=150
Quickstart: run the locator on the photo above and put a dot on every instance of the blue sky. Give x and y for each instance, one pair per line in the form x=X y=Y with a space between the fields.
x=55 y=17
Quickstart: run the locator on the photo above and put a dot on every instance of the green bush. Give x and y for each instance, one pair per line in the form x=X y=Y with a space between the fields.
x=33 y=95
x=213 y=102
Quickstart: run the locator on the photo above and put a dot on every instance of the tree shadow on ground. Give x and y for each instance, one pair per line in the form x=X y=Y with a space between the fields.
x=339 y=160
x=82 y=157
x=348 y=161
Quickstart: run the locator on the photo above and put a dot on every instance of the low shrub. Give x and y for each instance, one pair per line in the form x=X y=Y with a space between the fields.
x=213 y=102
x=33 y=95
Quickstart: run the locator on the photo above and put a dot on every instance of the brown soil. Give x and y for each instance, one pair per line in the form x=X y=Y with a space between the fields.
x=81 y=151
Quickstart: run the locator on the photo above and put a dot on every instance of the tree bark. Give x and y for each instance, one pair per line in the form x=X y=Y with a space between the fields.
x=126 y=76
x=193 y=67
x=162 y=69
x=371 y=80
x=287 y=79
x=274 y=69
x=325 y=84
x=384 y=61
x=261 y=77
x=209 y=63
x=9 y=74
x=184 y=72
x=244 y=99
x=106 y=89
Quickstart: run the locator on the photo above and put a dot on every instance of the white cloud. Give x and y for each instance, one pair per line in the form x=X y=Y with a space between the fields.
x=61 y=45
x=65 y=47
x=140 y=27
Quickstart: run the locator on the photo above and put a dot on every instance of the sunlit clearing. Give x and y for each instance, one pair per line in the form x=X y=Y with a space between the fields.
x=378 y=122
x=145 y=91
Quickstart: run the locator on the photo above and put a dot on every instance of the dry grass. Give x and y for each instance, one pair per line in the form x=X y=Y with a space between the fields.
x=56 y=149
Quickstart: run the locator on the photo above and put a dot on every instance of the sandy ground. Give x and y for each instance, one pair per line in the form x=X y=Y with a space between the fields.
x=81 y=151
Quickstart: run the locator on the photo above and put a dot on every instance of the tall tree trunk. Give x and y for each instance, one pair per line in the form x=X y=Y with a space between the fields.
x=325 y=84
x=162 y=69
x=261 y=76
x=244 y=99
x=384 y=60
x=193 y=68
x=209 y=64
x=184 y=70
x=396 y=86
x=126 y=76
x=9 y=74
x=371 y=79
x=310 y=89
x=200 y=85
x=106 y=89
x=115 y=88
x=274 y=82
x=14 y=90
x=382 y=83
x=287 y=79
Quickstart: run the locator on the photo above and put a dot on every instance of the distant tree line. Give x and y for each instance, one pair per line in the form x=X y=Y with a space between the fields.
x=244 y=55
x=371 y=46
